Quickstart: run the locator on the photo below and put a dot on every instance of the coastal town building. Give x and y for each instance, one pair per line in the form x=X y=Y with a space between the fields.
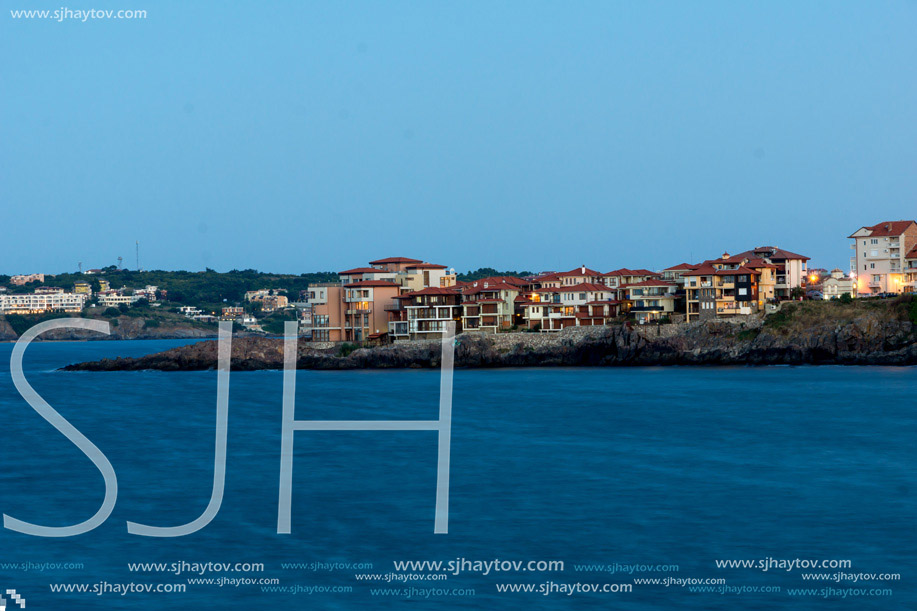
x=554 y=308
x=364 y=304
x=652 y=300
x=232 y=313
x=719 y=291
x=676 y=274
x=790 y=269
x=21 y=279
x=425 y=313
x=150 y=293
x=109 y=299
x=880 y=254
x=414 y=274
x=838 y=284
x=271 y=300
x=492 y=304
x=910 y=271
x=365 y=316
x=620 y=278
x=327 y=300
x=37 y=303
x=579 y=275
x=83 y=288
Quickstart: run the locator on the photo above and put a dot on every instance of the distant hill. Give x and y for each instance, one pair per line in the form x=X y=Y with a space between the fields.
x=486 y=272
x=207 y=288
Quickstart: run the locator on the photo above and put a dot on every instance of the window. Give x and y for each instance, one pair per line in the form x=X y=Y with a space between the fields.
x=874 y=253
x=876 y=278
x=874 y=241
x=743 y=278
x=582 y=296
x=872 y=266
x=743 y=291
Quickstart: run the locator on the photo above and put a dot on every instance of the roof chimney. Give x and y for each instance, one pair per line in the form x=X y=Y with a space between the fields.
x=583 y=269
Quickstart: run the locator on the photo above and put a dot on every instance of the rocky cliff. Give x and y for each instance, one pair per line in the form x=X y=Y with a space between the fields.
x=823 y=333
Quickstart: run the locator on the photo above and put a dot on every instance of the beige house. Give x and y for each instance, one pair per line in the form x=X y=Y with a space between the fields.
x=838 y=284
x=414 y=274
x=489 y=305
x=790 y=269
x=557 y=307
x=26 y=278
x=879 y=256
x=327 y=301
x=651 y=299
x=910 y=271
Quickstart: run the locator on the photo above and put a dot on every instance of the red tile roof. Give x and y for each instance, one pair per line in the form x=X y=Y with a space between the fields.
x=758 y=263
x=545 y=277
x=498 y=279
x=433 y=290
x=370 y=283
x=679 y=267
x=426 y=266
x=362 y=270
x=579 y=271
x=888 y=228
x=912 y=254
x=395 y=260
x=631 y=272
x=771 y=252
x=704 y=269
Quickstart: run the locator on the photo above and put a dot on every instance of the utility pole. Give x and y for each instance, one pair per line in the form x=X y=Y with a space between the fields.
x=138 y=255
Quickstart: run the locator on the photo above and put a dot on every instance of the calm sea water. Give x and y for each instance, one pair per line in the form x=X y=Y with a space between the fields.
x=646 y=466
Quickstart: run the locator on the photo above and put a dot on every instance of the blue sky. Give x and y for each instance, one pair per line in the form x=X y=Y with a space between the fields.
x=301 y=136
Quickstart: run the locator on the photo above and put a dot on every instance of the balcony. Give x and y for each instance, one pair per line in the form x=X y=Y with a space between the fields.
x=398 y=328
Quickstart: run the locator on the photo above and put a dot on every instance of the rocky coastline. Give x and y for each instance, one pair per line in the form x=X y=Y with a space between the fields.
x=801 y=335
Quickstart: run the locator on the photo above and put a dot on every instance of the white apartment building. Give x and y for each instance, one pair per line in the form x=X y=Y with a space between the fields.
x=880 y=255
x=113 y=299
x=36 y=303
